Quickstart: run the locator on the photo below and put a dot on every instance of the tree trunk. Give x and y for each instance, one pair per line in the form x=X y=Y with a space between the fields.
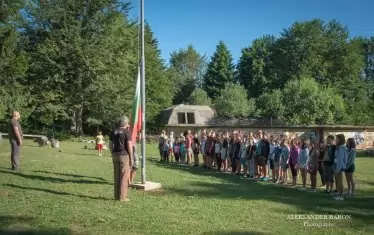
x=73 y=127
x=79 y=121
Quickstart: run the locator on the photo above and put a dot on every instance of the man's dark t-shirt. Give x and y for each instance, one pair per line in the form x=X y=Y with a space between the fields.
x=265 y=148
x=225 y=143
x=12 y=124
x=119 y=139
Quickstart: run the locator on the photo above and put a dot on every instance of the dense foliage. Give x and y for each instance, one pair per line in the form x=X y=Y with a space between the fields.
x=74 y=64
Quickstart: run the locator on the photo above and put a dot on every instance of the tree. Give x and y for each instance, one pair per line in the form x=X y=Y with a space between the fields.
x=69 y=76
x=13 y=62
x=199 y=97
x=160 y=88
x=255 y=67
x=367 y=46
x=189 y=67
x=301 y=50
x=309 y=104
x=219 y=72
x=271 y=104
x=369 y=58
x=233 y=102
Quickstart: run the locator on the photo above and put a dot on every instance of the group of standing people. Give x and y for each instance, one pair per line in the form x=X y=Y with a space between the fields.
x=253 y=155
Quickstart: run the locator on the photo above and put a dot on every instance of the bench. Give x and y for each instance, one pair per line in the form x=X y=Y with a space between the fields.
x=42 y=140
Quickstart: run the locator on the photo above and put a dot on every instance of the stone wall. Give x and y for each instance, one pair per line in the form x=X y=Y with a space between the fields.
x=364 y=137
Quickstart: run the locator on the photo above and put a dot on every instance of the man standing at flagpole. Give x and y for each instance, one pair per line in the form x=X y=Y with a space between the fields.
x=121 y=148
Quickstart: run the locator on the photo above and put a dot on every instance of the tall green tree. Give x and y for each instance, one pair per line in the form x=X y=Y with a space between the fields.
x=255 y=71
x=83 y=61
x=301 y=50
x=233 y=102
x=160 y=88
x=189 y=67
x=368 y=51
x=199 y=97
x=219 y=72
x=13 y=62
x=271 y=104
x=309 y=104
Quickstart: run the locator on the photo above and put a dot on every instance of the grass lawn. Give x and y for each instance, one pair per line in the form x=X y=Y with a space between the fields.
x=71 y=193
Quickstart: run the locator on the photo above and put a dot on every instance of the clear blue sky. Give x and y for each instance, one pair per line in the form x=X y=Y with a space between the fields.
x=202 y=23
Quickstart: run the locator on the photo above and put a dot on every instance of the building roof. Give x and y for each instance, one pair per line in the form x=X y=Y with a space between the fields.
x=204 y=113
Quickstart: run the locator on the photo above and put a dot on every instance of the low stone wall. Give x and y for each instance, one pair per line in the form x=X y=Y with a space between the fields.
x=364 y=137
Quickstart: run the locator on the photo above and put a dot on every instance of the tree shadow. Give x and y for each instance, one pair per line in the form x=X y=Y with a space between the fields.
x=364 y=154
x=71 y=175
x=56 y=192
x=233 y=233
x=54 y=180
x=33 y=232
x=9 y=220
x=235 y=187
x=86 y=154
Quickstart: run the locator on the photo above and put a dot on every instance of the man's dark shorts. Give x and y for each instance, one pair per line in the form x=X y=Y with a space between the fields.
x=263 y=160
x=329 y=174
x=271 y=164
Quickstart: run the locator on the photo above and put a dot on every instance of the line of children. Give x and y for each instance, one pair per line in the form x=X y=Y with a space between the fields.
x=250 y=155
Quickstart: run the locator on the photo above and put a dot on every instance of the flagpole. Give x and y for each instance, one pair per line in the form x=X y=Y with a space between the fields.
x=142 y=85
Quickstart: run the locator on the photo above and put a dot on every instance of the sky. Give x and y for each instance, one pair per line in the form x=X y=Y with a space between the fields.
x=203 y=23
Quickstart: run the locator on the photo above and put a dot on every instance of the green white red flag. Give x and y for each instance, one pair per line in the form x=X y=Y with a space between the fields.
x=136 y=115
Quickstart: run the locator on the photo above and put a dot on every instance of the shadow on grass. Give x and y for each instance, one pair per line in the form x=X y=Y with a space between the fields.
x=56 y=192
x=71 y=175
x=233 y=233
x=9 y=220
x=54 y=180
x=363 y=154
x=237 y=188
x=34 y=232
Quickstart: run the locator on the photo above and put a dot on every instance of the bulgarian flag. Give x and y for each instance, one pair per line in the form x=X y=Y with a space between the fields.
x=136 y=115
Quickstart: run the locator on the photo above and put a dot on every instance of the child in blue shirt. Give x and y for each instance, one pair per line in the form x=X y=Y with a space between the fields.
x=340 y=162
x=182 y=151
x=285 y=155
x=165 y=150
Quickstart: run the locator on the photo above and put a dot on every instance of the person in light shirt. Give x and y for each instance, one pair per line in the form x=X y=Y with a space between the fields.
x=99 y=143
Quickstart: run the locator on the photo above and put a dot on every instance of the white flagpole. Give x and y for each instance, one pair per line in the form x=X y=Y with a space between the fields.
x=142 y=84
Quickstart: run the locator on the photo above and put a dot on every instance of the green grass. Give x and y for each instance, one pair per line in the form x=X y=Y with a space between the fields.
x=71 y=193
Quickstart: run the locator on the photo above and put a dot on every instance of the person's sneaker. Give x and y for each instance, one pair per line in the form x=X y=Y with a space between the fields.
x=322 y=186
x=245 y=176
x=302 y=189
x=265 y=179
x=312 y=190
x=339 y=198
